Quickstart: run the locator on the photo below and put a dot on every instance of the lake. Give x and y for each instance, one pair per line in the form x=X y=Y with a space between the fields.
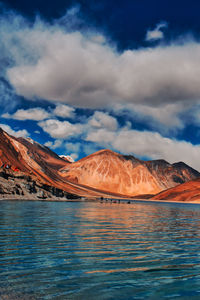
x=85 y=250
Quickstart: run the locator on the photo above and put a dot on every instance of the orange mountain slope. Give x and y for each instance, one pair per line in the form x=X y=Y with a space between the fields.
x=104 y=173
x=189 y=191
x=29 y=157
x=19 y=156
x=109 y=171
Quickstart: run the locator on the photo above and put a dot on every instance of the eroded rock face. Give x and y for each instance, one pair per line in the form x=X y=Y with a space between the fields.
x=110 y=171
x=27 y=156
x=21 y=157
x=25 y=187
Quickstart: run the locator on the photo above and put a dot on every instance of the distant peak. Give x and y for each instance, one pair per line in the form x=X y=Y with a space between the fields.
x=159 y=162
x=105 y=151
x=180 y=163
x=183 y=165
x=30 y=140
x=129 y=157
x=67 y=157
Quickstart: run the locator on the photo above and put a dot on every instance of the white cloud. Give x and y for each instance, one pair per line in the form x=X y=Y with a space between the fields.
x=53 y=145
x=35 y=114
x=8 y=98
x=166 y=118
x=39 y=114
x=60 y=130
x=72 y=68
x=64 y=111
x=166 y=114
x=102 y=136
x=74 y=156
x=98 y=38
x=156 y=34
x=103 y=120
x=90 y=148
x=17 y=133
x=74 y=147
x=64 y=129
x=149 y=144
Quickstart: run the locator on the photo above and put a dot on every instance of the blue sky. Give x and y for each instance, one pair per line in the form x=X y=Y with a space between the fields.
x=79 y=76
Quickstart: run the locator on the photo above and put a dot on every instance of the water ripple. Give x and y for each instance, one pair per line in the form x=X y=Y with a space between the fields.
x=99 y=251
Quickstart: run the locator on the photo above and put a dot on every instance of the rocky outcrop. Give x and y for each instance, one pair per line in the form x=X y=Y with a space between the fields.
x=23 y=157
x=26 y=187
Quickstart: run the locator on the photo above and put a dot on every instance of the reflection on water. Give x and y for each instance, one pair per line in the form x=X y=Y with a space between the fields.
x=99 y=250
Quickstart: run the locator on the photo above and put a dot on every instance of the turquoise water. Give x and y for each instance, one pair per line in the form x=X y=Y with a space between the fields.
x=63 y=250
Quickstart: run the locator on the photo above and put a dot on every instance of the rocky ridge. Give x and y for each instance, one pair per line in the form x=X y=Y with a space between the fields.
x=127 y=175
x=28 y=168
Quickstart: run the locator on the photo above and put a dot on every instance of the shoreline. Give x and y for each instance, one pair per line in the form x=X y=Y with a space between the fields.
x=106 y=200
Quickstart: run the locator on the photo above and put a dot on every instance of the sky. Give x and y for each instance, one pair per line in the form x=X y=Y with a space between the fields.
x=80 y=76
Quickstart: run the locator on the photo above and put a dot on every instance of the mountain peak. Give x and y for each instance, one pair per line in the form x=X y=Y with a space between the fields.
x=104 y=171
x=159 y=162
x=1 y=131
x=105 y=151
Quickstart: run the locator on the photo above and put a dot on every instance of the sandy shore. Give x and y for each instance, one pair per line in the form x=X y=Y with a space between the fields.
x=170 y=201
x=57 y=199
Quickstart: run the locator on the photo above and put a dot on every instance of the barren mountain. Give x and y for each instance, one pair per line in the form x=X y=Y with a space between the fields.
x=36 y=169
x=183 y=192
x=25 y=155
x=28 y=161
x=109 y=171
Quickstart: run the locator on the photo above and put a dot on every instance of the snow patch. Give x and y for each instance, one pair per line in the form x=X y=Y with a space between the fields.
x=67 y=157
x=30 y=140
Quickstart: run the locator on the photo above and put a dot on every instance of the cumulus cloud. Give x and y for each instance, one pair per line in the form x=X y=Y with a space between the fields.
x=60 y=130
x=35 y=114
x=149 y=144
x=167 y=119
x=72 y=68
x=17 y=133
x=71 y=19
x=53 y=145
x=73 y=147
x=74 y=156
x=167 y=115
x=103 y=120
x=39 y=114
x=64 y=111
x=90 y=148
x=64 y=129
x=157 y=33
x=8 y=98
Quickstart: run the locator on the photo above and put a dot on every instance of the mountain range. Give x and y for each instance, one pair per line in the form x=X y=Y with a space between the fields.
x=31 y=170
